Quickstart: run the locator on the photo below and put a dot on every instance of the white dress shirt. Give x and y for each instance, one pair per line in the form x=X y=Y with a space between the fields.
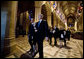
x=40 y=20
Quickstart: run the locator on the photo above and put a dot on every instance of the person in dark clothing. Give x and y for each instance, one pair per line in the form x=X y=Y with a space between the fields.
x=64 y=37
x=35 y=38
x=31 y=35
x=55 y=34
x=68 y=34
x=42 y=32
x=50 y=35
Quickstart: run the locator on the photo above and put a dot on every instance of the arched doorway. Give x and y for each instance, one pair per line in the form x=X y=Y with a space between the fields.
x=71 y=22
x=44 y=12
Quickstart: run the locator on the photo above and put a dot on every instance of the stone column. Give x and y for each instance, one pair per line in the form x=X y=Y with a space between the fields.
x=37 y=9
x=37 y=12
x=27 y=22
x=65 y=26
x=9 y=41
x=75 y=26
x=82 y=20
x=58 y=24
x=21 y=18
x=54 y=20
x=49 y=20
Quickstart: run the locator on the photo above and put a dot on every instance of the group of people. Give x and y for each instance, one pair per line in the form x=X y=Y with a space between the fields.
x=53 y=32
x=61 y=33
x=39 y=31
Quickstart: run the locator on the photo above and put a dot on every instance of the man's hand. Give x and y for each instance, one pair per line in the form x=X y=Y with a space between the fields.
x=53 y=31
x=32 y=37
x=35 y=30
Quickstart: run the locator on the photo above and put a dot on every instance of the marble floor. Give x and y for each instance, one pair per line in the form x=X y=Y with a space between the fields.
x=74 y=49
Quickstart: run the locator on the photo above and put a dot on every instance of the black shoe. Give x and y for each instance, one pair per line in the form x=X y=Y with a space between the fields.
x=55 y=44
x=65 y=45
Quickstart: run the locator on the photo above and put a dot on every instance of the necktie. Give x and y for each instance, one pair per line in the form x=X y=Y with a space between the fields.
x=38 y=23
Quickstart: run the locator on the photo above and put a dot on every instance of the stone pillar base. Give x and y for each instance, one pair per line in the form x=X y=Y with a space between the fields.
x=9 y=46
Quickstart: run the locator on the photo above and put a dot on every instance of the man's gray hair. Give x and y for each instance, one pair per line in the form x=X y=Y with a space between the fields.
x=41 y=15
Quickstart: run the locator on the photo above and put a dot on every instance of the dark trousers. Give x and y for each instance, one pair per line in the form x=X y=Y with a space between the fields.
x=68 y=37
x=64 y=42
x=31 y=44
x=34 y=41
x=40 y=47
x=55 y=40
x=50 y=40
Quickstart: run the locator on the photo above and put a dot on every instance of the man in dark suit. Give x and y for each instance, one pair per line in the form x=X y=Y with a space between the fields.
x=55 y=34
x=42 y=32
x=35 y=38
x=50 y=32
x=31 y=35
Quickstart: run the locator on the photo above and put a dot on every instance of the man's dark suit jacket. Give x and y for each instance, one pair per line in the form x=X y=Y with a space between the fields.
x=61 y=32
x=42 y=30
x=56 y=32
x=31 y=31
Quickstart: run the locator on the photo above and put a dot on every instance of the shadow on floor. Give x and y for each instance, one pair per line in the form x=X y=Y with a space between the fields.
x=77 y=35
x=66 y=47
x=27 y=55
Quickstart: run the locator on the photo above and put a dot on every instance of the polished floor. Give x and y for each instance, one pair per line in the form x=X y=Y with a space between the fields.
x=74 y=49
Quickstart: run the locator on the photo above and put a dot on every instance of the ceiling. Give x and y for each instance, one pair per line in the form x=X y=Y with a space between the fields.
x=25 y=5
x=69 y=7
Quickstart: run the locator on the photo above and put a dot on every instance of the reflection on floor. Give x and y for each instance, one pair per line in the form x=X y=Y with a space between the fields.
x=74 y=49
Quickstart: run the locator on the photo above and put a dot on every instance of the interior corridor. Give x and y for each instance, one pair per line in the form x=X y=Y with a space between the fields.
x=16 y=18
